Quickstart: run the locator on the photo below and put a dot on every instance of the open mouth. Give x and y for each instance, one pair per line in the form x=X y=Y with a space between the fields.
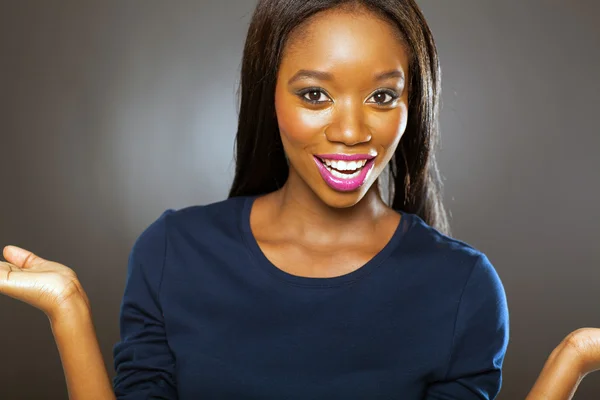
x=344 y=169
x=344 y=172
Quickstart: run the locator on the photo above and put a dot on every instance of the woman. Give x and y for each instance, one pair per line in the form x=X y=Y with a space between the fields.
x=304 y=283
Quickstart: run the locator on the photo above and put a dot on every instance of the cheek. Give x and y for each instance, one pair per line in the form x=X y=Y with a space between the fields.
x=390 y=127
x=297 y=124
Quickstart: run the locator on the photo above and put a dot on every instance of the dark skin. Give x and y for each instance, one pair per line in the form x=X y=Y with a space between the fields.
x=306 y=228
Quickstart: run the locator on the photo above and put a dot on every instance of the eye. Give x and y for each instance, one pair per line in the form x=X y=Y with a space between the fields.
x=384 y=97
x=314 y=96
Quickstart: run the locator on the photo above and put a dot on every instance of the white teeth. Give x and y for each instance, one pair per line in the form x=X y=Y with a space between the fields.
x=342 y=175
x=335 y=166
x=341 y=165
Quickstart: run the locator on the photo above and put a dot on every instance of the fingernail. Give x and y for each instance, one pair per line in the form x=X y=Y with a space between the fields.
x=11 y=248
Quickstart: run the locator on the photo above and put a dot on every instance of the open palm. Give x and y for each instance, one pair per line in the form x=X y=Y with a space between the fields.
x=44 y=284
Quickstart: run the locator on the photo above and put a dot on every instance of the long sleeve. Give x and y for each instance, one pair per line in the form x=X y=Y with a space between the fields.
x=480 y=340
x=143 y=360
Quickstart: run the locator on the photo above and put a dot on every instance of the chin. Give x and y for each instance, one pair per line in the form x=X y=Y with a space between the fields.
x=342 y=199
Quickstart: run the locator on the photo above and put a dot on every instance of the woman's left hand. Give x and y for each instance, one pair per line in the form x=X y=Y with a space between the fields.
x=585 y=342
x=576 y=356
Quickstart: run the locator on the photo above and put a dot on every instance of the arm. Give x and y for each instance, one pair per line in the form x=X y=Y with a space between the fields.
x=144 y=363
x=558 y=379
x=480 y=339
x=82 y=362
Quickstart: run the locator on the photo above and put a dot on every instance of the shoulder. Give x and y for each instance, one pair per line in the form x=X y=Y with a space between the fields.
x=206 y=216
x=435 y=247
x=195 y=224
x=450 y=261
x=211 y=212
x=464 y=277
x=204 y=219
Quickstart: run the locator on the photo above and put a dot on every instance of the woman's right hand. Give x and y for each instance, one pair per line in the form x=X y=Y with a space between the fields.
x=55 y=289
x=47 y=285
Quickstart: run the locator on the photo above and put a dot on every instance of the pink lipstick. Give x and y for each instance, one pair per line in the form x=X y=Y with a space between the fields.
x=344 y=172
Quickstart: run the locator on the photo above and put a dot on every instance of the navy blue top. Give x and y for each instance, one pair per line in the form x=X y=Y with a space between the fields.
x=205 y=315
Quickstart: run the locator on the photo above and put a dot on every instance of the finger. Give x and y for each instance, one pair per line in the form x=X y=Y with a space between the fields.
x=18 y=284
x=8 y=279
x=6 y=268
x=21 y=258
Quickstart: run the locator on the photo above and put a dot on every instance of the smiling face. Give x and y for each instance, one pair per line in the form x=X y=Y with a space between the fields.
x=342 y=103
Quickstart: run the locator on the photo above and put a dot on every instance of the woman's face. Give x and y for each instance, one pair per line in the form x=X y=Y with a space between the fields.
x=342 y=102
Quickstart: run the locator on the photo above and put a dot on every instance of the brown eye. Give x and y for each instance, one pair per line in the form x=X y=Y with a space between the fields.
x=380 y=97
x=384 y=97
x=314 y=96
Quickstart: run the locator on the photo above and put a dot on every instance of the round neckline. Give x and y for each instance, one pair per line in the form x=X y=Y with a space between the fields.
x=406 y=222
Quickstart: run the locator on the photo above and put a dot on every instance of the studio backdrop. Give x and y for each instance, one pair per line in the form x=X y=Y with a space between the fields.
x=113 y=111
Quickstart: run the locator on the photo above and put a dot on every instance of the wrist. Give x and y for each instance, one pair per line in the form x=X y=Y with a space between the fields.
x=566 y=354
x=560 y=376
x=75 y=308
x=579 y=346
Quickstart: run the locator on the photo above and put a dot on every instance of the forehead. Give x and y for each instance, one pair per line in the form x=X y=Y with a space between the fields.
x=339 y=37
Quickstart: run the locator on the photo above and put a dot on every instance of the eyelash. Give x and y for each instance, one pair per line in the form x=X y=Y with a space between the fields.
x=304 y=92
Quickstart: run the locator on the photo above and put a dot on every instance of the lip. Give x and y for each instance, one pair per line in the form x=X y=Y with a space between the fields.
x=341 y=184
x=345 y=157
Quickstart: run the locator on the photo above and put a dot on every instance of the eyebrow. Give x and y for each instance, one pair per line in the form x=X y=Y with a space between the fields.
x=306 y=73
x=326 y=76
x=396 y=73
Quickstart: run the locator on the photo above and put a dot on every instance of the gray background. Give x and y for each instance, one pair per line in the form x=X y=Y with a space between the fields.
x=112 y=111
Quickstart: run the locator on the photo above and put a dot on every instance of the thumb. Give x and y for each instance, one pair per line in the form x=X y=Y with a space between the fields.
x=21 y=258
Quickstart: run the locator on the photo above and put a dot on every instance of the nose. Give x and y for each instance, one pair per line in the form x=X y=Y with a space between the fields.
x=348 y=125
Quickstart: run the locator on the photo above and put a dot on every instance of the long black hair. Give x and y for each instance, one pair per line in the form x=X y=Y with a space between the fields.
x=261 y=167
